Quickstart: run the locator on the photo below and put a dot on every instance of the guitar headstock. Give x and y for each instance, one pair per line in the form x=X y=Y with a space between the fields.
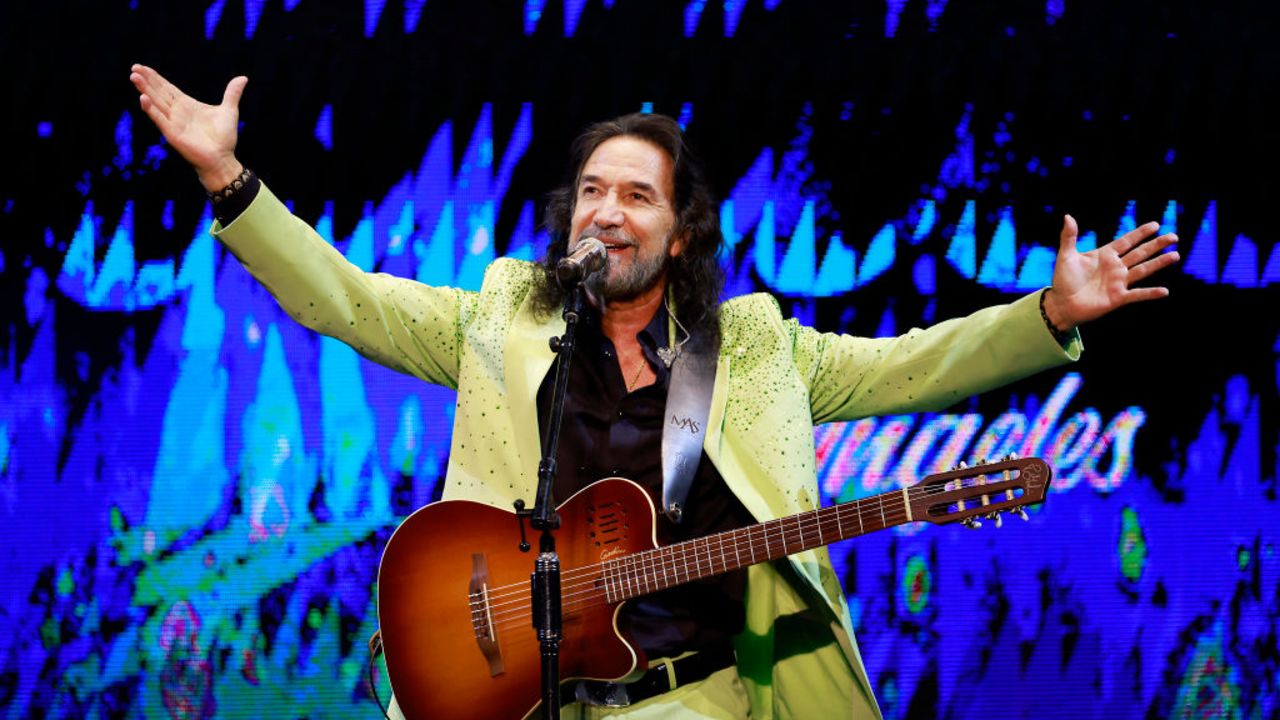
x=969 y=494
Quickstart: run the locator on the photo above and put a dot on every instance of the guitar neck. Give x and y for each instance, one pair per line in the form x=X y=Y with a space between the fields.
x=959 y=495
x=652 y=570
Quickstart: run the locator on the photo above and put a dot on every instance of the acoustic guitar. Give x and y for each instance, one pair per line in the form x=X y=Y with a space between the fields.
x=454 y=585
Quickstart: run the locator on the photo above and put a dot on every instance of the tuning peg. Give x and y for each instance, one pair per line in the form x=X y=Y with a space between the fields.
x=996 y=517
x=1013 y=456
x=971 y=522
x=1021 y=512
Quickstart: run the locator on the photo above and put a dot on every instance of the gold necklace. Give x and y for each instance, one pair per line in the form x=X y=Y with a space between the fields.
x=639 y=369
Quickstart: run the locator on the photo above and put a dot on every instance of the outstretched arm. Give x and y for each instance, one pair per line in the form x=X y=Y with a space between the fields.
x=1087 y=286
x=204 y=135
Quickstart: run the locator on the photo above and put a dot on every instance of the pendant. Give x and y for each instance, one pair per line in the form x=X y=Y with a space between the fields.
x=668 y=355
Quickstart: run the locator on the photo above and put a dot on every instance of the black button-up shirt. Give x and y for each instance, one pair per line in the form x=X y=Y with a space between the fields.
x=607 y=431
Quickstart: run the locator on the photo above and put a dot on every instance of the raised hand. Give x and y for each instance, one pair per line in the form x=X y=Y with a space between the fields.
x=1087 y=286
x=204 y=135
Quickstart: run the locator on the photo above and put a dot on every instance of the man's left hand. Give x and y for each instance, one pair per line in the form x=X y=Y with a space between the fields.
x=1088 y=285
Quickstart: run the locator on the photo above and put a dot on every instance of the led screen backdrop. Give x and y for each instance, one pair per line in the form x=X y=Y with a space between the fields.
x=195 y=492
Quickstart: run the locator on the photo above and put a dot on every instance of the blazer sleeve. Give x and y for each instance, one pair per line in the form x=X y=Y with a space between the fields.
x=926 y=369
x=403 y=324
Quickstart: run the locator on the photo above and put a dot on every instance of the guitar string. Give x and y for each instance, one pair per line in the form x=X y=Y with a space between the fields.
x=643 y=572
x=597 y=595
x=674 y=557
x=864 y=506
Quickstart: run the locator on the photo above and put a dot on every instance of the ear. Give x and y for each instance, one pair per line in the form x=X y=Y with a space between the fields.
x=678 y=243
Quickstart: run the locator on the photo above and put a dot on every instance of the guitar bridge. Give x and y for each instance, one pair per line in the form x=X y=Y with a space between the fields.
x=482 y=615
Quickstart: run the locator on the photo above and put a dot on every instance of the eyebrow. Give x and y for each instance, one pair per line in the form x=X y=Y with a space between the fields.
x=636 y=184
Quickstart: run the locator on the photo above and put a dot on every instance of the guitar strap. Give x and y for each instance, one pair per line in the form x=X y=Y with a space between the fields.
x=693 y=375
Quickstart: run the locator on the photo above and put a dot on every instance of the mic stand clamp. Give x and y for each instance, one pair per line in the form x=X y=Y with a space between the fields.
x=545 y=582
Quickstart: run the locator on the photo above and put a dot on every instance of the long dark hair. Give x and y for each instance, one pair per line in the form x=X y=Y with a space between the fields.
x=695 y=276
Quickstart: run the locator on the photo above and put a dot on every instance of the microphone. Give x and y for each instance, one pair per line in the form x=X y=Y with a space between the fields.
x=588 y=257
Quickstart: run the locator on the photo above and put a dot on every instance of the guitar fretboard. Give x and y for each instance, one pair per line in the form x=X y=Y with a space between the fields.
x=652 y=570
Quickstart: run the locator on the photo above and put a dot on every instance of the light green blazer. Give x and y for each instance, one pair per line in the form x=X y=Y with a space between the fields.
x=775 y=380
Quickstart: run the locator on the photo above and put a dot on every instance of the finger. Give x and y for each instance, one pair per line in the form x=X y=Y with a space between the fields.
x=145 y=79
x=1143 y=294
x=1145 y=270
x=1148 y=249
x=1067 y=239
x=162 y=92
x=1127 y=241
x=235 y=88
x=149 y=99
x=157 y=116
x=149 y=106
x=144 y=88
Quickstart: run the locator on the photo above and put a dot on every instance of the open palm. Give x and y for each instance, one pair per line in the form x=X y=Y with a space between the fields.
x=1088 y=285
x=204 y=135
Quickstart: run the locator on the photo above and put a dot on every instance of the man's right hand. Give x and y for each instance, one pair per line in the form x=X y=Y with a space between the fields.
x=205 y=135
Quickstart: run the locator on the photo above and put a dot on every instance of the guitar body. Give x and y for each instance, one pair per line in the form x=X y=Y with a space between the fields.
x=455 y=611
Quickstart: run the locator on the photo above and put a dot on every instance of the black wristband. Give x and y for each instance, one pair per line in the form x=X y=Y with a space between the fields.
x=233 y=199
x=1062 y=336
x=217 y=197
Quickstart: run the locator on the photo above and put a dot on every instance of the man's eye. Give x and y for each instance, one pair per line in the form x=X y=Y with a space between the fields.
x=588 y=190
x=640 y=197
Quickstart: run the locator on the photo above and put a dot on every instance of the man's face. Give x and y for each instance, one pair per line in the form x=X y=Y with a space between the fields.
x=624 y=198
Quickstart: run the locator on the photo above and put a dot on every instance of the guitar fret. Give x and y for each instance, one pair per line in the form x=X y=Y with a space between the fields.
x=674 y=558
x=637 y=569
x=674 y=570
x=649 y=584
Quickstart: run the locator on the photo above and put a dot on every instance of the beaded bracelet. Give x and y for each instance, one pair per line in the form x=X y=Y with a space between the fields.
x=218 y=196
x=1062 y=336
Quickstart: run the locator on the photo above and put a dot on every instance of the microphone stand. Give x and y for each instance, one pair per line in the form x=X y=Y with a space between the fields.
x=546 y=575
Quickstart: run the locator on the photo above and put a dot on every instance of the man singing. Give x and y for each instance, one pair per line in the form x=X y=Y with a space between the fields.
x=774 y=640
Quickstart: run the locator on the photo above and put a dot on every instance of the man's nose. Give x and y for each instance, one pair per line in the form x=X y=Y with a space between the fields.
x=609 y=212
